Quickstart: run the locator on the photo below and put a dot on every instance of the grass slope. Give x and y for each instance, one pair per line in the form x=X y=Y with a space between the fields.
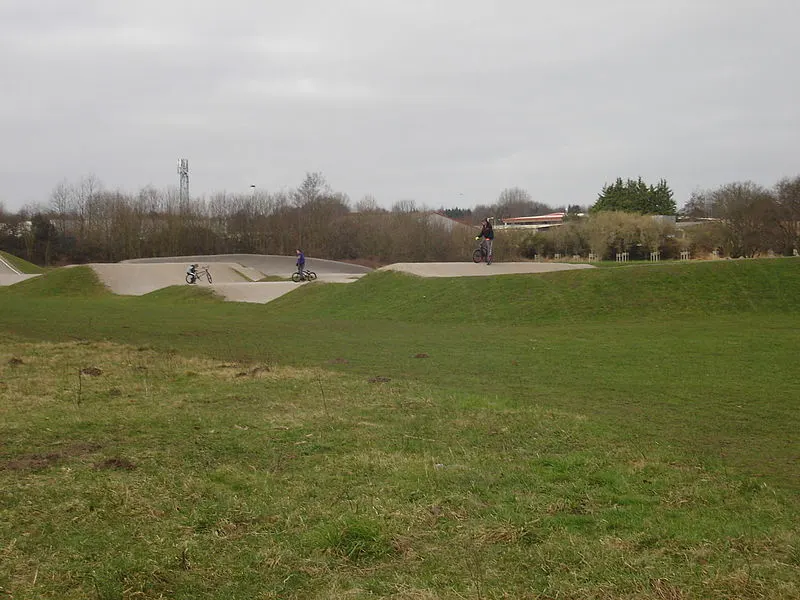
x=636 y=292
x=72 y=282
x=22 y=265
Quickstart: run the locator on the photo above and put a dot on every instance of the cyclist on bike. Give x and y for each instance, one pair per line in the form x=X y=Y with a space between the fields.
x=191 y=273
x=487 y=233
x=301 y=263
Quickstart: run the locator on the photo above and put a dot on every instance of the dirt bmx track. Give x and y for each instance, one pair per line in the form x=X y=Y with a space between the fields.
x=236 y=276
x=481 y=270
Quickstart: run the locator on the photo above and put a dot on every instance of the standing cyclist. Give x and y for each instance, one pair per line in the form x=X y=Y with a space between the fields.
x=301 y=263
x=487 y=233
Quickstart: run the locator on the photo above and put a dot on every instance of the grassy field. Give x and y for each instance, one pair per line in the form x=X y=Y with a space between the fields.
x=612 y=433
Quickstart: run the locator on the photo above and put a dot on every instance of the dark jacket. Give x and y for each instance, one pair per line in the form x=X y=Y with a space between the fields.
x=487 y=231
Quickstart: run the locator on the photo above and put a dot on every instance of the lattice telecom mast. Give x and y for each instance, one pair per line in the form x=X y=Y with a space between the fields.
x=183 y=173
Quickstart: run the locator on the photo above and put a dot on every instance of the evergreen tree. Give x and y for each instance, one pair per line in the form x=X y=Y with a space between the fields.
x=635 y=196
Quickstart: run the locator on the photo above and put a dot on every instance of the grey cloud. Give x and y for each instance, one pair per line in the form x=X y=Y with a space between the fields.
x=424 y=100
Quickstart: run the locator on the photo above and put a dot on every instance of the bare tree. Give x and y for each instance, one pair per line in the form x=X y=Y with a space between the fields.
x=787 y=194
x=745 y=209
x=60 y=200
x=405 y=206
x=368 y=204
x=313 y=186
x=85 y=191
x=699 y=206
x=513 y=196
x=480 y=212
x=517 y=202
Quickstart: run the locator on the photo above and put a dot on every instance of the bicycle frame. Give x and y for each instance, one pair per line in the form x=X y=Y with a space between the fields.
x=481 y=253
x=307 y=275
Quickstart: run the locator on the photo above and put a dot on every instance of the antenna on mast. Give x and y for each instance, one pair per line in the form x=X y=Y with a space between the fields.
x=183 y=175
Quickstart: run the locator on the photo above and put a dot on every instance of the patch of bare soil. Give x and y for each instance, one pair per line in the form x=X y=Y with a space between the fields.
x=38 y=461
x=115 y=464
x=254 y=372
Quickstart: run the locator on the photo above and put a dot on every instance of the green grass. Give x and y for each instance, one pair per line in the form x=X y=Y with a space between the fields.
x=515 y=436
x=72 y=282
x=22 y=265
x=666 y=291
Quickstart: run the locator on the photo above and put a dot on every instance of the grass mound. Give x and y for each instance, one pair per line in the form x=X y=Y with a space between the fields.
x=69 y=282
x=753 y=286
x=22 y=265
x=181 y=294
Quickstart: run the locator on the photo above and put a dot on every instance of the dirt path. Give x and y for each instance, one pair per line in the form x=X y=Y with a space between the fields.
x=481 y=270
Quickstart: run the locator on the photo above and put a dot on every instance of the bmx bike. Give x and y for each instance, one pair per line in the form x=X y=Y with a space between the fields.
x=193 y=274
x=481 y=253
x=306 y=275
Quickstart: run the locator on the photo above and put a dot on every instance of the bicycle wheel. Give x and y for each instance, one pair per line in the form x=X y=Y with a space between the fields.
x=477 y=256
x=311 y=275
x=296 y=277
x=208 y=274
x=189 y=278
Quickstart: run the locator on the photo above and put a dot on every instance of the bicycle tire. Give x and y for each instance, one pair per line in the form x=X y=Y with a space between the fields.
x=477 y=256
x=208 y=274
x=311 y=275
x=189 y=279
x=296 y=277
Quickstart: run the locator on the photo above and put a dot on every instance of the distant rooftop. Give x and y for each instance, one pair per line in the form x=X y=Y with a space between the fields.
x=550 y=218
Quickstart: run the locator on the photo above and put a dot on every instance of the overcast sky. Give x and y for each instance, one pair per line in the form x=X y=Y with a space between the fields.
x=446 y=102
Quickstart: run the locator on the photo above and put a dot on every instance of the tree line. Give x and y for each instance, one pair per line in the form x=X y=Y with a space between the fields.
x=734 y=220
x=748 y=219
x=85 y=222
